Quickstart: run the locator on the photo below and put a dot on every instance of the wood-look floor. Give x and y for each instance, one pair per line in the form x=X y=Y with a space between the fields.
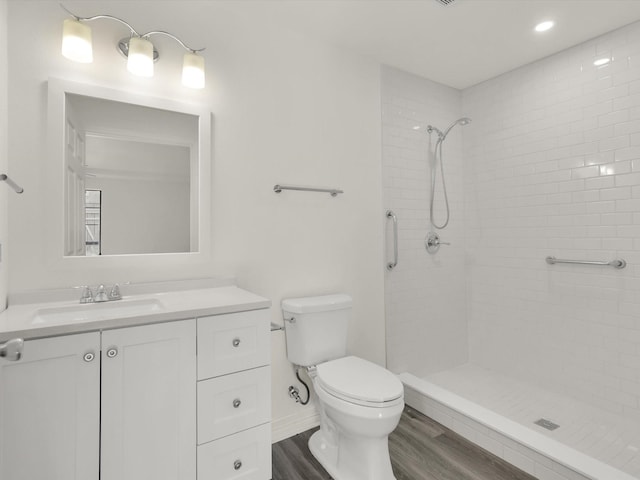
x=420 y=448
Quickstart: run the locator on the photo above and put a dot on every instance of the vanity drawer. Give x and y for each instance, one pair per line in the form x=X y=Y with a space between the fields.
x=233 y=342
x=232 y=403
x=245 y=455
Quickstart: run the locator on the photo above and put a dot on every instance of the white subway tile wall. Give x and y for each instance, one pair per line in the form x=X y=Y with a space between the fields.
x=425 y=294
x=552 y=167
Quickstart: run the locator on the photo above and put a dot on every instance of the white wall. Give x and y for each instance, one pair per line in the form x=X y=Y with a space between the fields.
x=286 y=110
x=4 y=211
x=425 y=294
x=553 y=168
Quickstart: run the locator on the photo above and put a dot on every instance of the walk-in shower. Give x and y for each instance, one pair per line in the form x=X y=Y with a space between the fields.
x=489 y=338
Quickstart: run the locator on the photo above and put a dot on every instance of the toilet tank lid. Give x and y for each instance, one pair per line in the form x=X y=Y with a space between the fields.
x=323 y=303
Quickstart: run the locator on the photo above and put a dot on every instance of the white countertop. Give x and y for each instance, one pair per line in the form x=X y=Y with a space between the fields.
x=23 y=321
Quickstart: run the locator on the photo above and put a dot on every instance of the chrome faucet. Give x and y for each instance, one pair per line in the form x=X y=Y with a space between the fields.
x=101 y=294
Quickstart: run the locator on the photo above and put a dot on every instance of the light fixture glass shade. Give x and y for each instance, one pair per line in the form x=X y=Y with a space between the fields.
x=76 y=41
x=140 y=58
x=193 y=71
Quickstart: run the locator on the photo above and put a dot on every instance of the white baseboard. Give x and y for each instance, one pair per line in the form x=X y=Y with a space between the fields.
x=292 y=425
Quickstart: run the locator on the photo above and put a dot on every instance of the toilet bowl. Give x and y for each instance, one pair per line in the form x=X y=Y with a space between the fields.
x=356 y=419
x=360 y=402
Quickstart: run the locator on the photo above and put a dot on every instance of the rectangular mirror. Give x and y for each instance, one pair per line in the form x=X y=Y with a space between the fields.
x=131 y=172
x=128 y=178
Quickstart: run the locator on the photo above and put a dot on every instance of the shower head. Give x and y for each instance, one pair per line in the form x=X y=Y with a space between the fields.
x=461 y=121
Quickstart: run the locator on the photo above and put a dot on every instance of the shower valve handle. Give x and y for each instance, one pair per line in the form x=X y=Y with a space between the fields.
x=432 y=243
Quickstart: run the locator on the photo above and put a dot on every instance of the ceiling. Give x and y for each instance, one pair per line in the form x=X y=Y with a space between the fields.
x=459 y=45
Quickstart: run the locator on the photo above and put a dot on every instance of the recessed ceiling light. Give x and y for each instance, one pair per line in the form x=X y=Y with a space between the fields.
x=601 y=61
x=544 y=26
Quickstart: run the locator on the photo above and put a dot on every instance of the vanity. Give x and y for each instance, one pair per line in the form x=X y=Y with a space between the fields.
x=172 y=385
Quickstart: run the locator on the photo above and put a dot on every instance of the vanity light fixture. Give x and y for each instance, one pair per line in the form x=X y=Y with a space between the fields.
x=140 y=52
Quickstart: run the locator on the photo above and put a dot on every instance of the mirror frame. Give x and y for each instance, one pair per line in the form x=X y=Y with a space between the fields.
x=54 y=179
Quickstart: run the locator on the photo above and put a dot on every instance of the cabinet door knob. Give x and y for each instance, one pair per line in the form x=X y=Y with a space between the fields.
x=236 y=342
x=112 y=352
x=236 y=403
x=237 y=465
x=89 y=356
x=12 y=349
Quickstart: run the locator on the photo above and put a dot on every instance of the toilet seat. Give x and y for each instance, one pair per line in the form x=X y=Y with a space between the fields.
x=361 y=382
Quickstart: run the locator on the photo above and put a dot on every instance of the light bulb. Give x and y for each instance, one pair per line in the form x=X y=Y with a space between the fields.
x=193 y=71
x=140 y=58
x=76 y=41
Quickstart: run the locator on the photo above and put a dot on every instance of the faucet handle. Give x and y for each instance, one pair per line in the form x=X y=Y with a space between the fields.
x=433 y=243
x=87 y=294
x=115 y=294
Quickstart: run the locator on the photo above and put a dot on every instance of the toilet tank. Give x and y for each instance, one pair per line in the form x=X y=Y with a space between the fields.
x=316 y=328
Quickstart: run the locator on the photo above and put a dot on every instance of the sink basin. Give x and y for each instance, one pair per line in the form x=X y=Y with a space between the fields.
x=97 y=311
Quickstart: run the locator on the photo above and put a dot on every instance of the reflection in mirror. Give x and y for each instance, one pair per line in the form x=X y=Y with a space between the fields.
x=130 y=178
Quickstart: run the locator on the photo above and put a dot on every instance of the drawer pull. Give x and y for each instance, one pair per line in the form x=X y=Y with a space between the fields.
x=237 y=403
x=236 y=342
x=237 y=465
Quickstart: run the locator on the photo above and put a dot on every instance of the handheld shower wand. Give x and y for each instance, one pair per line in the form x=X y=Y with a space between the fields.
x=438 y=159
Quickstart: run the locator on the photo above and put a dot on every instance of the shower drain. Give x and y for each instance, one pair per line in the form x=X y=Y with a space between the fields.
x=548 y=424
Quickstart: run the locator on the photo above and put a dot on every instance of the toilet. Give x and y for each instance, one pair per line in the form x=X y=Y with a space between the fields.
x=360 y=402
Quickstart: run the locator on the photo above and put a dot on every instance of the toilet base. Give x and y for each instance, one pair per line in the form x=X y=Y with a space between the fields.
x=327 y=455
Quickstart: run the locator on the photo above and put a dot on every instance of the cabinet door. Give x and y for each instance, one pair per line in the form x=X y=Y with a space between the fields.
x=50 y=410
x=149 y=402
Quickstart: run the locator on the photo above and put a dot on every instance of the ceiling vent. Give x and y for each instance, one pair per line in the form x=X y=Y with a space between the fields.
x=445 y=2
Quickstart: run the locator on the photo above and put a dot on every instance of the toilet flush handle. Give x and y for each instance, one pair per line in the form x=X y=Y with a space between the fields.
x=291 y=320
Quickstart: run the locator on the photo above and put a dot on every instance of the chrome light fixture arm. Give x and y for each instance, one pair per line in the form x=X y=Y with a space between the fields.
x=97 y=17
x=170 y=35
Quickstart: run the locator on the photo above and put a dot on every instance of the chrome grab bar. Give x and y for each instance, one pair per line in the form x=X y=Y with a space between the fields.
x=391 y=215
x=617 y=263
x=12 y=349
x=332 y=191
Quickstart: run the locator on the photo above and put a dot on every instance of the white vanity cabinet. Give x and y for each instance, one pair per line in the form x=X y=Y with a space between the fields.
x=138 y=403
x=50 y=410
